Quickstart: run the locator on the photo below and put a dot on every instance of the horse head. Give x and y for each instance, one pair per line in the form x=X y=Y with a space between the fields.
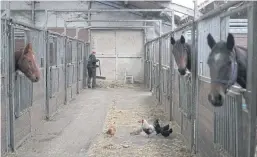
x=181 y=51
x=223 y=66
x=26 y=63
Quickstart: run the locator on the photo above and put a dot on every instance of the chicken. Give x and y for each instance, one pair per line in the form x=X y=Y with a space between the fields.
x=136 y=131
x=111 y=130
x=167 y=133
x=158 y=128
x=147 y=128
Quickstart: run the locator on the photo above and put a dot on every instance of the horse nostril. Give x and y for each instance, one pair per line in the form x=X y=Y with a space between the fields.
x=217 y=101
x=209 y=98
x=219 y=97
x=182 y=71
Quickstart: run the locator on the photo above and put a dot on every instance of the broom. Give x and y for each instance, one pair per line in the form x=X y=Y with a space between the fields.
x=100 y=77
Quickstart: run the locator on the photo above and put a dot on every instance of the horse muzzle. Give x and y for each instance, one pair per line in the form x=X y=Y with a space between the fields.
x=216 y=100
x=35 y=79
x=182 y=71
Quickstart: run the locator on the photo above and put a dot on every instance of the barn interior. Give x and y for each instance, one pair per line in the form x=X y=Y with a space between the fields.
x=138 y=79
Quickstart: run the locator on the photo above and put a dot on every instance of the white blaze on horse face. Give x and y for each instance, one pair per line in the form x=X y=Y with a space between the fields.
x=217 y=57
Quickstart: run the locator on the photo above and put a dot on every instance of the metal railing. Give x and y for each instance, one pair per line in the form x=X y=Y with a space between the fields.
x=230 y=128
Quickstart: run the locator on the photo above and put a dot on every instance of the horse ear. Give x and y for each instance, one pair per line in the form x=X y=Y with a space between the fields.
x=230 y=41
x=28 y=48
x=172 y=40
x=211 y=41
x=182 y=39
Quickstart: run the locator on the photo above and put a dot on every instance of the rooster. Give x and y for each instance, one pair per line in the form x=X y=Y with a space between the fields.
x=158 y=128
x=147 y=128
x=165 y=131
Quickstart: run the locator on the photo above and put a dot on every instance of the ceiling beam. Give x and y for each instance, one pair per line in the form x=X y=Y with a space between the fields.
x=178 y=8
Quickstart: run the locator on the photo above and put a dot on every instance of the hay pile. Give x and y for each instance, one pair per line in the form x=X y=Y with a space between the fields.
x=126 y=144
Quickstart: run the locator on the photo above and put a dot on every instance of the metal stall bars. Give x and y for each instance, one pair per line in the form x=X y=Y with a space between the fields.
x=165 y=72
x=25 y=101
x=5 y=123
x=156 y=62
x=186 y=93
x=56 y=53
x=19 y=107
x=229 y=132
x=74 y=68
x=252 y=77
x=71 y=63
x=150 y=59
x=7 y=86
x=182 y=93
x=69 y=69
x=80 y=50
x=218 y=130
x=205 y=116
x=194 y=79
x=85 y=60
x=147 y=70
x=23 y=86
x=11 y=89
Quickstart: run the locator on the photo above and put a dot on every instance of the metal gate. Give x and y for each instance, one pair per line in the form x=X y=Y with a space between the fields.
x=56 y=50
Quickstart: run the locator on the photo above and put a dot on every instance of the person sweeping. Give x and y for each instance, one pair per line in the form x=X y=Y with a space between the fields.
x=91 y=68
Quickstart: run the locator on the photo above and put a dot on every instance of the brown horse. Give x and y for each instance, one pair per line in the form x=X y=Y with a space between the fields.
x=25 y=61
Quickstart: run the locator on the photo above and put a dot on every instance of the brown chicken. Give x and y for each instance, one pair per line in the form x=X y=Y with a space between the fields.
x=111 y=130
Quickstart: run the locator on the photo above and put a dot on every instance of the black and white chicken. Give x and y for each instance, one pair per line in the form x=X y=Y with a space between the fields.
x=147 y=128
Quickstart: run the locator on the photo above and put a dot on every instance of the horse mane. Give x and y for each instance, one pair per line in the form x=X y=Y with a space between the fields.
x=189 y=50
x=18 y=54
x=241 y=58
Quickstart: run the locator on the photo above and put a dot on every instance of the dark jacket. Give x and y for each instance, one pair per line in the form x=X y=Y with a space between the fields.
x=92 y=61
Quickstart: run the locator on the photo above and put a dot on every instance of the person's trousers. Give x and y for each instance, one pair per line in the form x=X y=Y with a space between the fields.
x=91 y=75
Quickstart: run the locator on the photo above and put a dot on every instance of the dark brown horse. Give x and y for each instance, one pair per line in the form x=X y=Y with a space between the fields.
x=182 y=54
x=228 y=65
x=25 y=61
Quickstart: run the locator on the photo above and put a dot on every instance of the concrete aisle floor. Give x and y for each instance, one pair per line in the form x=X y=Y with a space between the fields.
x=70 y=132
x=77 y=129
